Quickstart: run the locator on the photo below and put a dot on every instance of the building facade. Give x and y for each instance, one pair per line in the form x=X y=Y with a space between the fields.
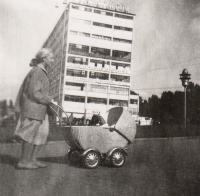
x=92 y=60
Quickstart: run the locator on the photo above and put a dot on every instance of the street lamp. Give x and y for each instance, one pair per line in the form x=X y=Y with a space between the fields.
x=185 y=77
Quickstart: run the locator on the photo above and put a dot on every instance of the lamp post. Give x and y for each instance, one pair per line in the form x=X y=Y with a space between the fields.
x=185 y=77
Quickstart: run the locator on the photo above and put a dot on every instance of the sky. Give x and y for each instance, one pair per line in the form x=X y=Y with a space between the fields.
x=166 y=40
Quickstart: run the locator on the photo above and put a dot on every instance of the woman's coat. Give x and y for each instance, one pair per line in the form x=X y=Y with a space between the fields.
x=33 y=97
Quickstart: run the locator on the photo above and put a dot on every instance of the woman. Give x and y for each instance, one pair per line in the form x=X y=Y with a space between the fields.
x=32 y=102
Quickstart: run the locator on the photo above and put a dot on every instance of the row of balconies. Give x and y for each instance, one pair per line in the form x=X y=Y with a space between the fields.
x=99 y=56
x=78 y=88
x=72 y=78
x=76 y=107
x=99 y=68
x=97 y=80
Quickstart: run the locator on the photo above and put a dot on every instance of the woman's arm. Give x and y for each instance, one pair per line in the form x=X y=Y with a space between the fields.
x=35 y=87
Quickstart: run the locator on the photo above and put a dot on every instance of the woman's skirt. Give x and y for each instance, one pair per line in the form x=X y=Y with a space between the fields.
x=33 y=131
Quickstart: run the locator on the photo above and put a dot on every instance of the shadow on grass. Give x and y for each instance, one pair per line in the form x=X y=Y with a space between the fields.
x=61 y=160
x=8 y=159
x=57 y=160
x=65 y=161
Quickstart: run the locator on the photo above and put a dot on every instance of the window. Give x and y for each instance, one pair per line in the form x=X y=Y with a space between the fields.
x=102 y=25
x=75 y=86
x=97 y=100
x=121 y=55
x=118 y=102
x=97 y=11
x=81 y=8
x=88 y=9
x=124 y=16
x=75 y=98
x=97 y=75
x=73 y=32
x=120 y=78
x=101 y=37
x=79 y=49
x=77 y=60
x=76 y=73
x=80 y=33
x=103 y=12
x=98 y=63
x=109 y=14
x=117 y=65
x=118 y=90
x=100 y=52
x=97 y=88
x=122 y=40
x=75 y=7
x=81 y=21
x=133 y=101
x=123 y=28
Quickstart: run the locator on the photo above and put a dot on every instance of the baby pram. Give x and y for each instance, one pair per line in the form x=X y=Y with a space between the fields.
x=94 y=144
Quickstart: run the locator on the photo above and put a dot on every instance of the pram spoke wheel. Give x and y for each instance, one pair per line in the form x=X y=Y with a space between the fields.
x=117 y=158
x=91 y=159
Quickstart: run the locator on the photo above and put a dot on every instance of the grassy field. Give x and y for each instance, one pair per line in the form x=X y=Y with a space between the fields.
x=155 y=131
x=7 y=132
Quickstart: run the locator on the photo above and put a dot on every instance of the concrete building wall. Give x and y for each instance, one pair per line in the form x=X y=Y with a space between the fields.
x=83 y=80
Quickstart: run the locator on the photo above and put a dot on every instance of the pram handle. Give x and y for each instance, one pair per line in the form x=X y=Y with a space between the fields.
x=58 y=114
x=113 y=128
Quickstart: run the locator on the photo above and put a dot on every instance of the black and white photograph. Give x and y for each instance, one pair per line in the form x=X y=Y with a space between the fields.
x=99 y=97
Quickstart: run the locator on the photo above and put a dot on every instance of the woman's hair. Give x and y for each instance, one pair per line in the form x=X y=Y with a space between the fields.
x=42 y=53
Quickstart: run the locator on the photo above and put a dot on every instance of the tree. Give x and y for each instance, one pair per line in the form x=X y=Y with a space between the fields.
x=170 y=107
x=154 y=107
x=11 y=104
x=166 y=107
x=3 y=108
x=178 y=111
x=144 y=107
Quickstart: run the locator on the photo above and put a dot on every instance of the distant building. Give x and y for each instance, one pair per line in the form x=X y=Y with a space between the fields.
x=92 y=44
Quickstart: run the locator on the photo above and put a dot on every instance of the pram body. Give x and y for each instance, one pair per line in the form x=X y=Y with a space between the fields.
x=93 y=144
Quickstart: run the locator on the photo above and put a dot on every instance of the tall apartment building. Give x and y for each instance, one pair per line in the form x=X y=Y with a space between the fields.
x=92 y=47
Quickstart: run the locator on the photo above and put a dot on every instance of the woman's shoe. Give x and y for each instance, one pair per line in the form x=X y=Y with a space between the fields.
x=39 y=164
x=26 y=166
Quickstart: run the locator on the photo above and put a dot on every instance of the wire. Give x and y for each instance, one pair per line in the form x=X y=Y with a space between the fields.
x=166 y=67
x=176 y=87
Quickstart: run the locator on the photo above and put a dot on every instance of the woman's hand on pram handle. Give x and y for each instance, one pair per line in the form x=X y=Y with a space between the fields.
x=54 y=102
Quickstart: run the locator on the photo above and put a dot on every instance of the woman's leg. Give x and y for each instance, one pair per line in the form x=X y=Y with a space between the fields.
x=34 y=154
x=24 y=162
x=25 y=154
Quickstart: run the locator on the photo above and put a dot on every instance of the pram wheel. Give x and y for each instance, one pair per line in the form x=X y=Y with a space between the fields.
x=91 y=159
x=74 y=156
x=117 y=158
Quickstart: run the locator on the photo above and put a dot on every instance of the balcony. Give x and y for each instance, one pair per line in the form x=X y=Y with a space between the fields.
x=120 y=83
x=99 y=68
x=115 y=92
x=97 y=80
x=77 y=66
x=114 y=82
x=121 y=59
x=97 y=90
x=100 y=56
x=125 y=83
x=75 y=88
x=120 y=71
x=79 y=53
x=74 y=78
